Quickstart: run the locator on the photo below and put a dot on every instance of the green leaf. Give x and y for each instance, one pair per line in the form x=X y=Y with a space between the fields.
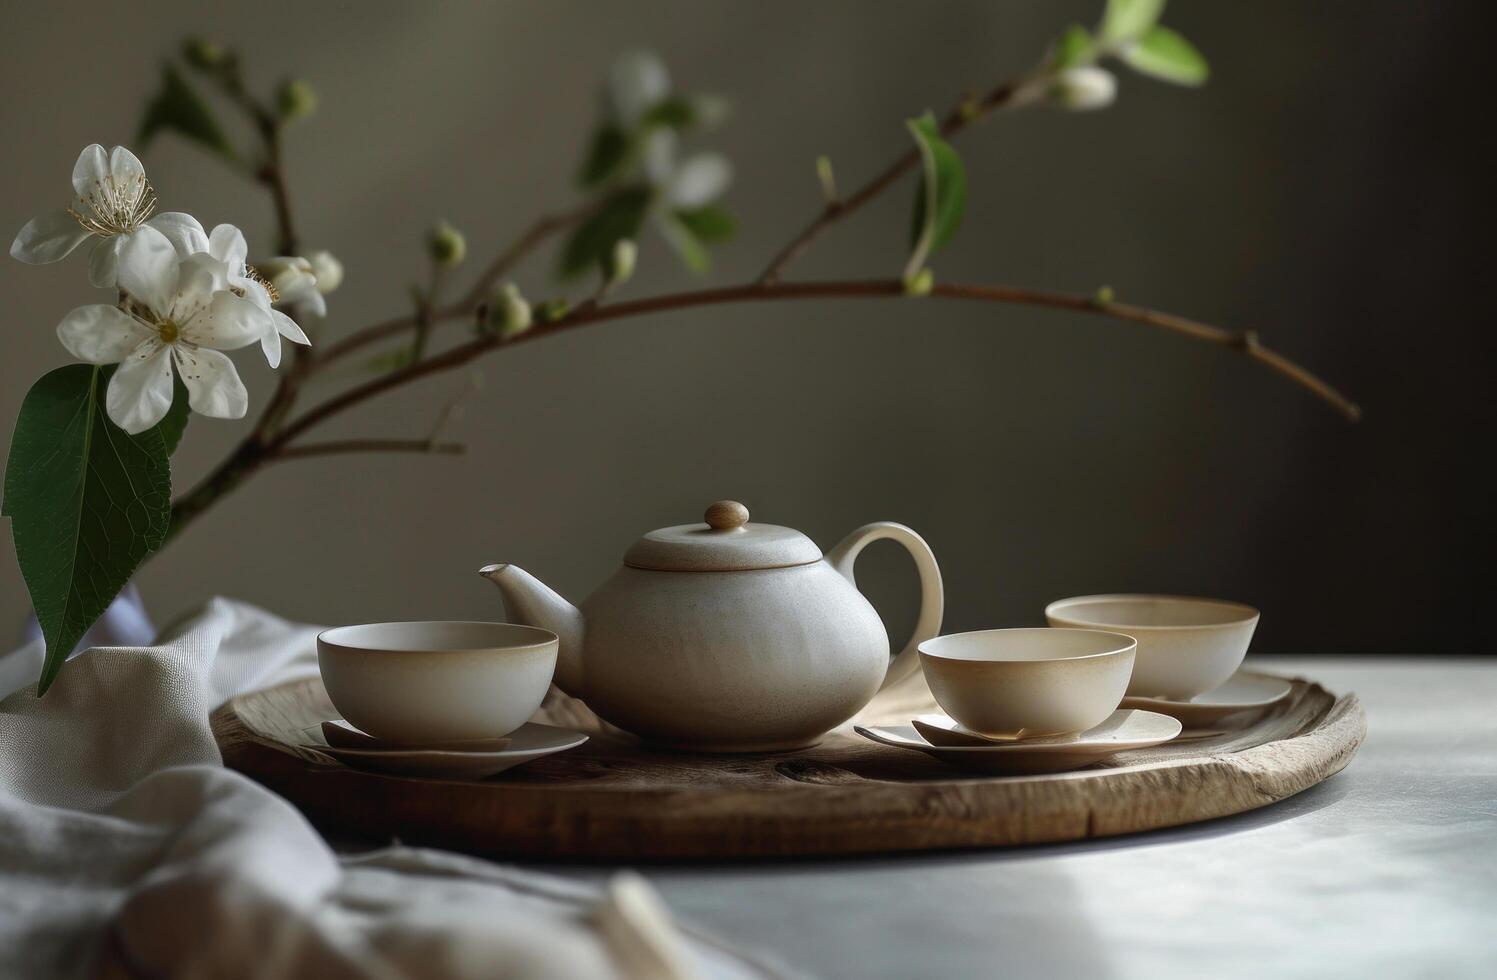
x=620 y=216
x=1074 y=47
x=87 y=504
x=686 y=244
x=605 y=156
x=941 y=196
x=177 y=108
x=1125 y=20
x=1166 y=55
x=676 y=112
x=710 y=223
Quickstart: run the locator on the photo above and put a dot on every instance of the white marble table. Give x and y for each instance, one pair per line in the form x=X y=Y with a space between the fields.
x=1386 y=870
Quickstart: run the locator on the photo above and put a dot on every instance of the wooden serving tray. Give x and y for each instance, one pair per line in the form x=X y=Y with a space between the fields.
x=613 y=799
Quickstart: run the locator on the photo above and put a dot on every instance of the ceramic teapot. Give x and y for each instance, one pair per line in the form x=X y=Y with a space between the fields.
x=728 y=636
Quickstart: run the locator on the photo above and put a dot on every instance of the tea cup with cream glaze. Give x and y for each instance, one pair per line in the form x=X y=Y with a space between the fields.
x=426 y=682
x=1022 y=683
x=1186 y=646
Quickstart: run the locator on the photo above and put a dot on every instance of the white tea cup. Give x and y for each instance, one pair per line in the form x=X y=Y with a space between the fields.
x=1013 y=683
x=1186 y=646
x=413 y=683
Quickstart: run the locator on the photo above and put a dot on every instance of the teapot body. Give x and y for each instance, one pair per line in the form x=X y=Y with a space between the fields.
x=731 y=661
x=728 y=636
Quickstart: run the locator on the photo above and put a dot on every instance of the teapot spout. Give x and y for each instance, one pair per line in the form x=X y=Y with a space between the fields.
x=530 y=602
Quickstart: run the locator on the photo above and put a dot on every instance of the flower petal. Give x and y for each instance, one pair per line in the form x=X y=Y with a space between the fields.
x=148 y=268
x=302 y=295
x=90 y=170
x=125 y=167
x=327 y=270
x=228 y=323
x=213 y=386
x=637 y=80
x=226 y=243
x=141 y=390
x=289 y=328
x=659 y=156
x=101 y=334
x=700 y=180
x=103 y=262
x=199 y=276
x=270 y=346
x=182 y=230
x=255 y=293
x=48 y=238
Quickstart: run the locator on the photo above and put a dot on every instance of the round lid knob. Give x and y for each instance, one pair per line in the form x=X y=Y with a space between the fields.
x=726 y=515
x=727 y=542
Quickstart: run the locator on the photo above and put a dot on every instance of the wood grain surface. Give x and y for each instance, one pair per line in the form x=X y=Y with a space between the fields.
x=613 y=799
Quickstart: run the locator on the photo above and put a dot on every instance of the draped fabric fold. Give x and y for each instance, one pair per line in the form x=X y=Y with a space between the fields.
x=126 y=849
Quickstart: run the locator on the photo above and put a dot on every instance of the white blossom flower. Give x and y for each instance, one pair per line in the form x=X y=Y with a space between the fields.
x=637 y=82
x=694 y=183
x=1085 y=87
x=174 y=316
x=112 y=200
x=295 y=283
x=691 y=183
x=227 y=247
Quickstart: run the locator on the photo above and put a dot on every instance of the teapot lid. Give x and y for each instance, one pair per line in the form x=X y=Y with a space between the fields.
x=727 y=542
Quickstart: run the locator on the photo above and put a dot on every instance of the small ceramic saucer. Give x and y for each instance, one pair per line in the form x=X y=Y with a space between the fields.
x=1243 y=691
x=341 y=735
x=526 y=744
x=1125 y=729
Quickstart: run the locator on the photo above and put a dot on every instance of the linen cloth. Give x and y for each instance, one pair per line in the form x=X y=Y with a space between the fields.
x=126 y=849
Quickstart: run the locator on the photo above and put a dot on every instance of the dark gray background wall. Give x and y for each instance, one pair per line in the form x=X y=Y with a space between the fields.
x=1322 y=188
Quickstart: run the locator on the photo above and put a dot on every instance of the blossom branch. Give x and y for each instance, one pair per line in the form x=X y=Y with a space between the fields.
x=1245 y=342
x=275 y=436
x=344 y=446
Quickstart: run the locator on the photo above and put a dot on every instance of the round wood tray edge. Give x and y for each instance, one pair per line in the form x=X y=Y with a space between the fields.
x=814 y=812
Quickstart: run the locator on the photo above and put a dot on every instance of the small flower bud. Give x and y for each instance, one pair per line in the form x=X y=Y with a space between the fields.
x=446 y=245
x=509 y=313
x=827 y=177
x=920 y=284
x=1103 y=295
x=552 y=310
x=204 y=54
x=619 y=266
x=327 y=269
x=1084 y=88
x=296 y=100
x=710 y=110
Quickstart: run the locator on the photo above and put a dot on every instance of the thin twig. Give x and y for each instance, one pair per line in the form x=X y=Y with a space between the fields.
x=1008 y=95
x=759 y=291
x=540 y=230
x=425 y=306
x=532 y=237
x=343 y=446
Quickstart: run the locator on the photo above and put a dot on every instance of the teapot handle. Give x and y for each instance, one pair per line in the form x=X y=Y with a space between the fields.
x=932 y=596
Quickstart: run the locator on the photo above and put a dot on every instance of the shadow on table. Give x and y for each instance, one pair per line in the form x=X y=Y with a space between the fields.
x=976 y=912
x=874 y=920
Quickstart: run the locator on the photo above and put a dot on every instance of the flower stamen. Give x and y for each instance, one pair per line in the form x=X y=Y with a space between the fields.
x=115 y=207
x=253 y=274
